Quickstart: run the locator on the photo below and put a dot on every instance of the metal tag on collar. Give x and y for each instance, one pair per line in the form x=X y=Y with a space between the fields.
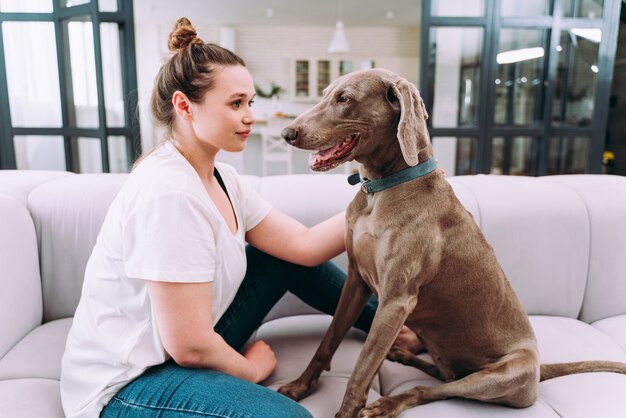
x=365 y=186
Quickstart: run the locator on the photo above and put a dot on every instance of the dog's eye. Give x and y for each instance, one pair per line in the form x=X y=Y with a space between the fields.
x=343 y=99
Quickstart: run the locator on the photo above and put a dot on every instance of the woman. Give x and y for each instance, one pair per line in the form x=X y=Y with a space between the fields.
x=167 y=301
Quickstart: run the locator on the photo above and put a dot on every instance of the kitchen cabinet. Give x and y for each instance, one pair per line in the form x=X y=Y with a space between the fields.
x=312 y=75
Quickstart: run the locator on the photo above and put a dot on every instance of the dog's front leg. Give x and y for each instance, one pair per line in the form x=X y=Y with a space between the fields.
x=354 y=297
x=390 y=316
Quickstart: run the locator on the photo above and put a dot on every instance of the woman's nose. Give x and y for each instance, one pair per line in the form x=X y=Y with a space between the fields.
x=249 y=119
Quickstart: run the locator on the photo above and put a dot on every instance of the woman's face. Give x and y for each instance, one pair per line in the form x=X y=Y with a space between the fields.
x=224 y=117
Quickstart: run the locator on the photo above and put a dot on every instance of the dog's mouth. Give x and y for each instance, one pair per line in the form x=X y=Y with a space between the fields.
x=330 y=158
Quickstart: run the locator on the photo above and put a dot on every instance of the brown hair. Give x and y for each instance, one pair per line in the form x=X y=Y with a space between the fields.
x=190 y=70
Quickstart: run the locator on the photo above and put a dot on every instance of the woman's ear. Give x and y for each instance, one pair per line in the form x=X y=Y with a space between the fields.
x=182 y=105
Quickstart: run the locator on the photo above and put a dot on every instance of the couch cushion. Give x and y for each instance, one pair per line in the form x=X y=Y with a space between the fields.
x=295 y=339
x=68 y=215
x=467 y=198
x=38 y=354
x=586 y=395
x=463 y=408
x=615 y=328
x=543 y=249
x=20 y=294
x=19 y=183
x=604 y=198
x=328 y=395
x=30 y=398
x=310 y=198
x=559 y=340
x=566 y=339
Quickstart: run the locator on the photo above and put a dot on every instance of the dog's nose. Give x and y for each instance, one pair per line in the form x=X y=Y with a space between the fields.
x=289 y=134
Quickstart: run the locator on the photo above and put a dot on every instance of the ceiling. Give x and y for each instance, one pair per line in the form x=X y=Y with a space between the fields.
x=282 y=12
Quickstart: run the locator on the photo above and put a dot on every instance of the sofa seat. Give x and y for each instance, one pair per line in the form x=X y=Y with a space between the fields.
x=615 y=327
x=38 y=354
x=30 y=398
x=294 y=340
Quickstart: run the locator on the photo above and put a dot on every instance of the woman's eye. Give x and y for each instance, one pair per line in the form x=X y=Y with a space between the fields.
x=236 y=103
x=251 y=102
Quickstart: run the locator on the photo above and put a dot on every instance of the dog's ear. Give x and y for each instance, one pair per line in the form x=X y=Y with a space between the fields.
x=412 y=131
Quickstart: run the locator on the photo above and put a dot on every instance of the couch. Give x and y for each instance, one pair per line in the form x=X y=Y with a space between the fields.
x=560 y=239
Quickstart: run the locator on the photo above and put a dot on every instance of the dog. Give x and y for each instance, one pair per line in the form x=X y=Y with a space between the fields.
x=411 y=242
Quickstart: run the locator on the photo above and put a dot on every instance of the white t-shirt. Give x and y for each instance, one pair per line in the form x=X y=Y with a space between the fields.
x=161 y=226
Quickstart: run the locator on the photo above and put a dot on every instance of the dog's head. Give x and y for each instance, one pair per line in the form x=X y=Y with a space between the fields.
x=363 y=115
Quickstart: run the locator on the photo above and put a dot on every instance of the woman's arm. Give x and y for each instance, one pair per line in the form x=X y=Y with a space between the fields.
x=183 y=312
x=285 y=238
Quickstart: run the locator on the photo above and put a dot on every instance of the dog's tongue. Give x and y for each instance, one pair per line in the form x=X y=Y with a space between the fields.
x=323 y=155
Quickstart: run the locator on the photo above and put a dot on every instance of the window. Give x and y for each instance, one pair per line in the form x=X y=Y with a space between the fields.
x=71 y=105
x=523 y=87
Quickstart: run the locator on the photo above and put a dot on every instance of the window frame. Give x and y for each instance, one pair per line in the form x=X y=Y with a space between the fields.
x=491 y=23
x=60 y=15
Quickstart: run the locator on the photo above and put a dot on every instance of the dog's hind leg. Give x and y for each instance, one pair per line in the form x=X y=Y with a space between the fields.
x=511 y=381
x=407 y=358
x=388 y=321
x=353 y=299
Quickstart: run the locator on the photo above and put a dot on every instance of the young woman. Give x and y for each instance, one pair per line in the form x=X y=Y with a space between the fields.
x=171 y=292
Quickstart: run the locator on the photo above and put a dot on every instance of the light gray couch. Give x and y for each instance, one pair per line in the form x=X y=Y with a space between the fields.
x=561 y=240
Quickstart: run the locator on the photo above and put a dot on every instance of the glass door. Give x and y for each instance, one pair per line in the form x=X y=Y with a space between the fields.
x=519 y=87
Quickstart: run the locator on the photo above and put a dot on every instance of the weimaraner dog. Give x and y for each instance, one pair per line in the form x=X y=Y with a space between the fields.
x=412 y=244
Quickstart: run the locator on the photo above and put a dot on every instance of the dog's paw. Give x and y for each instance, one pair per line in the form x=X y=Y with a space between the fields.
x=399 y=355
x=296 y=390
x=385 y=407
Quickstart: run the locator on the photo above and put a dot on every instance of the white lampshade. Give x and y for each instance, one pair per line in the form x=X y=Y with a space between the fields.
x=339 y=43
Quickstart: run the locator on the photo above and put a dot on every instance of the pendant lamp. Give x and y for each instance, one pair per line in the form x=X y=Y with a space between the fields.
x=339 y=42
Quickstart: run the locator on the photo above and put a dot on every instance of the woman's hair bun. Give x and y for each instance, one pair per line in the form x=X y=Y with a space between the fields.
x=183 y=35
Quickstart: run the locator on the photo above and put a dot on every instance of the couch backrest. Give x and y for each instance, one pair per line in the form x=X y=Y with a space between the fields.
x=560 y=240
x=19 y=183
x=20 y=286
x=68 y=214
x=540 y=233
x=604 y=198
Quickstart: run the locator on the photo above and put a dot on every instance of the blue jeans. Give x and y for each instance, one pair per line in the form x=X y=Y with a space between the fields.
x=168 y=390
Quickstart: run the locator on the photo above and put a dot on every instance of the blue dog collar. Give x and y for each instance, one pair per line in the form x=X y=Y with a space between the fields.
x=402 y=176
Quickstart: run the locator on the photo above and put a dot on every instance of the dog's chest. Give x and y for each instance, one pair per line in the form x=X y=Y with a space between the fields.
x=367 y=241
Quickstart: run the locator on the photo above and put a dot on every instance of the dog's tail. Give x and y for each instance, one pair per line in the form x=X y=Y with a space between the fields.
x=550 y=371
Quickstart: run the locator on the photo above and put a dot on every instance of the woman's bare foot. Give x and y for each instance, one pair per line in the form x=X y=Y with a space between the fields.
x=407 y=340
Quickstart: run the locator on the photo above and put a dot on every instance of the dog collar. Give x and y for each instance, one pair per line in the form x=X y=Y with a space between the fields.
x=402 y=176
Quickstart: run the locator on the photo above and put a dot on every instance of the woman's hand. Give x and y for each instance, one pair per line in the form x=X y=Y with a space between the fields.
x=263 y=358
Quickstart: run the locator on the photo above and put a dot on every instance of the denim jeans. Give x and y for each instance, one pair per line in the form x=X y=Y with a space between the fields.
x=168 y=390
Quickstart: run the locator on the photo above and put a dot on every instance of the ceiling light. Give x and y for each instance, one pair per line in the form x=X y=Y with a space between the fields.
x=390 y=14
x=339 y=42
x=269 y=12
x=518 y=55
